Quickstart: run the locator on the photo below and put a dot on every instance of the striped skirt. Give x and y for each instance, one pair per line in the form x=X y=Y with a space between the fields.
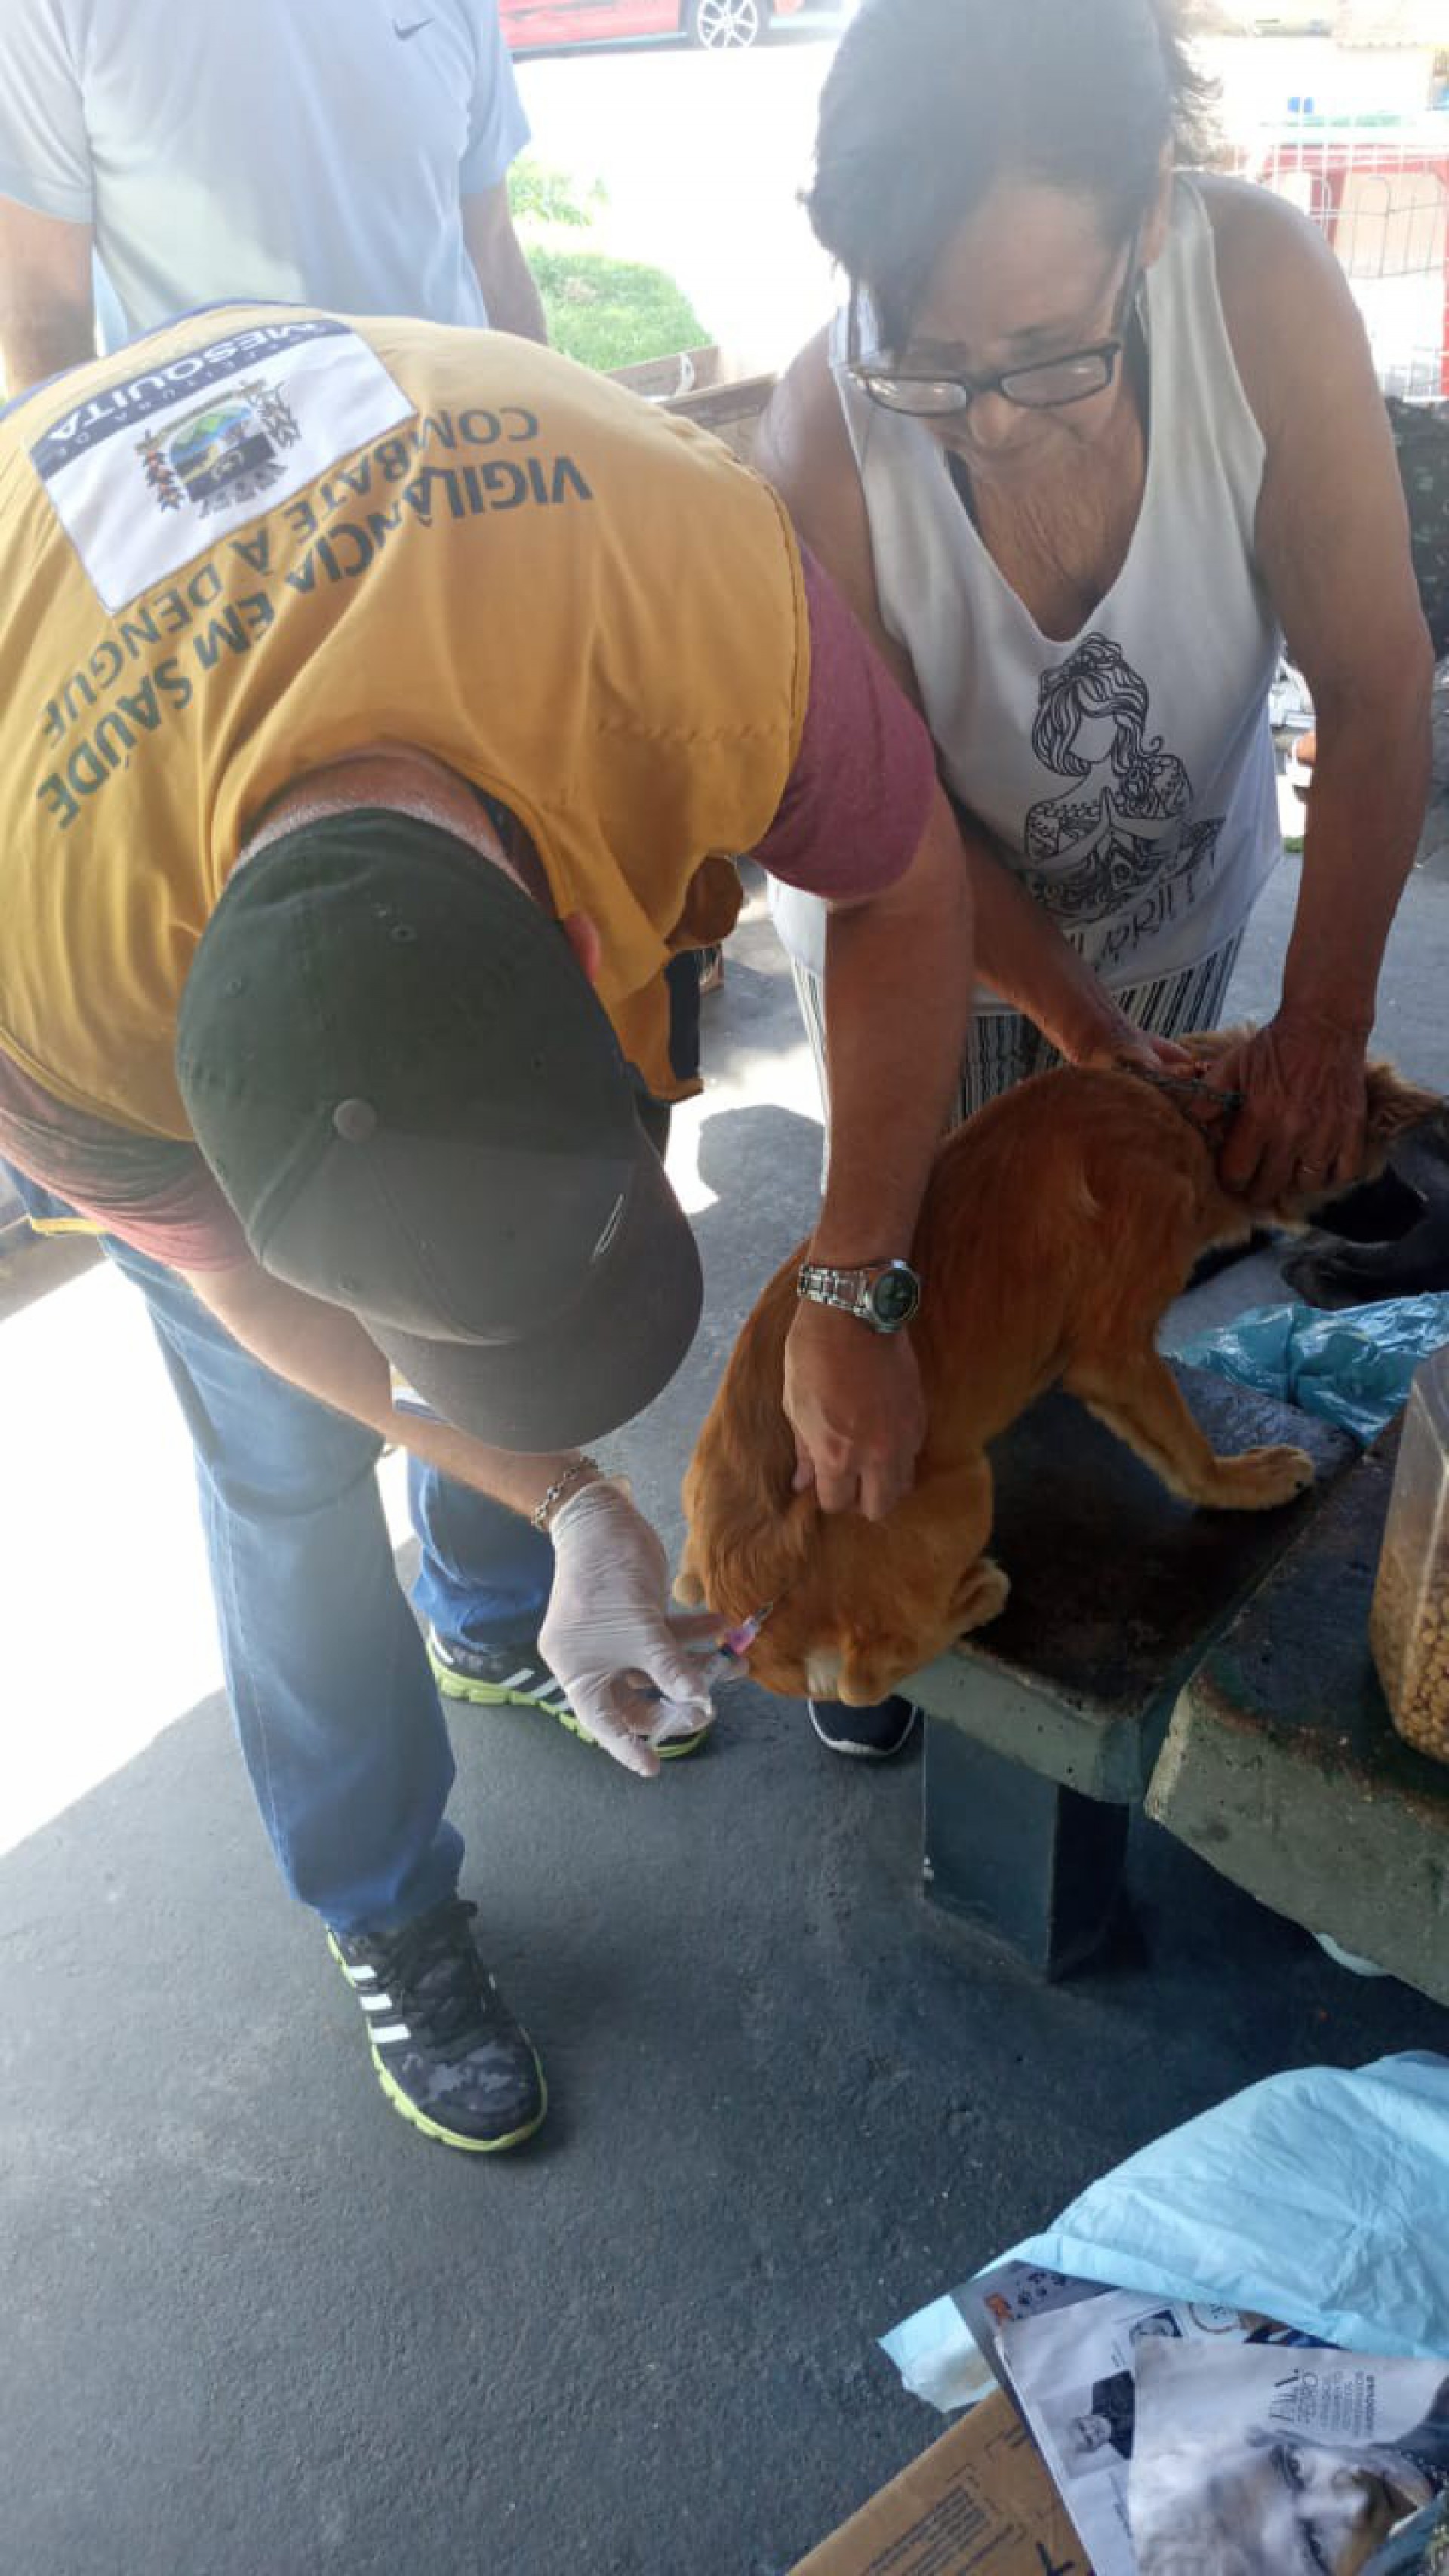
x=1004 y=1047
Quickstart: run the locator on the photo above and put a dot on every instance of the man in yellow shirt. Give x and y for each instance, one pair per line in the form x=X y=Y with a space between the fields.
x=378 y=702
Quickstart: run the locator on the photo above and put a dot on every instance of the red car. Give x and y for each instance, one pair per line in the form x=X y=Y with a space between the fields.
x=714 y=23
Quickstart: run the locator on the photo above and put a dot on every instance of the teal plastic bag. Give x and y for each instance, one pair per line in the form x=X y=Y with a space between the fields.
x=1352 y=1368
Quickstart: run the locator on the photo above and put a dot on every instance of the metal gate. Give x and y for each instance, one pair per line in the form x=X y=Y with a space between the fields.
x=1379 y=190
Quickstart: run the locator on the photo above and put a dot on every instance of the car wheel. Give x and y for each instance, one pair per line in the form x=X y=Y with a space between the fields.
x=719 y=24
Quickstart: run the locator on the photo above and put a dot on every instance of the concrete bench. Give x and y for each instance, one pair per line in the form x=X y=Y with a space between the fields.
x=1042 y=1732
x=1281 y=1766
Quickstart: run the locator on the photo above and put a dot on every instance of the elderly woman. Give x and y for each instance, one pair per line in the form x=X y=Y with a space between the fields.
x=1089 y=439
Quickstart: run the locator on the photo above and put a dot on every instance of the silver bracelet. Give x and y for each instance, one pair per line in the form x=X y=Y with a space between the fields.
x=562 y=1485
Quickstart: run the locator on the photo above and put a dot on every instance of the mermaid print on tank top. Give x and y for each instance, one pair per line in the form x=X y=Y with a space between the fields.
x=1085 y=860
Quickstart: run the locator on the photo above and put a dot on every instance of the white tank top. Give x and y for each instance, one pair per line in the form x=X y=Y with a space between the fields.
x=1128 y=772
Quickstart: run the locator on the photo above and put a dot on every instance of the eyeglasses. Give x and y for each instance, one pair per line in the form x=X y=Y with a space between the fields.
x=1050 y=386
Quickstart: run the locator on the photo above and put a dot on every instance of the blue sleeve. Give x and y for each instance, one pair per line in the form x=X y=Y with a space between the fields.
x=45 y=160
x=497 y=126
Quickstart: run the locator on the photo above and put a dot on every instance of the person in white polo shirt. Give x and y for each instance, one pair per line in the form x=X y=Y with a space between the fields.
x=352 y=154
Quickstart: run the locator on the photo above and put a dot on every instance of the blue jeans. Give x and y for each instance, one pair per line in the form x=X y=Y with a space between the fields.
x=485 y=1575
x=335 y=1705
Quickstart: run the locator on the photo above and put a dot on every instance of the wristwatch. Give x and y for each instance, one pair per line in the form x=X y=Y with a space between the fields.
x=883 y=1294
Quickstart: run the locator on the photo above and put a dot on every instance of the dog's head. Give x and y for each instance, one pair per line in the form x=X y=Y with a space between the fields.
x=856 y=1608
x=824 y=1638
x=1393 y=1105
x=820 y=1642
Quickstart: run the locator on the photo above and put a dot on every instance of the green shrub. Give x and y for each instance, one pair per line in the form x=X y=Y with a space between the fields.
x=612 y=312
x=604 y=312
x=538 y=194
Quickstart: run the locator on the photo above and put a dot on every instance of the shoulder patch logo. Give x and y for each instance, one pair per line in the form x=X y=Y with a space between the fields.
x=229 y=451
x=149 y=468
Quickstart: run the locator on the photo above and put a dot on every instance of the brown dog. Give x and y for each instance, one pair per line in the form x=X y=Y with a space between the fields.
x=1059 y=1224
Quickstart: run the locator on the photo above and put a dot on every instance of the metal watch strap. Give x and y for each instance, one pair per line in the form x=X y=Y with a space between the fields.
x=824 y=1284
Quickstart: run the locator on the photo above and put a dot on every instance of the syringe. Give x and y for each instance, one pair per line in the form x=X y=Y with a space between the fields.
x=721 y=1661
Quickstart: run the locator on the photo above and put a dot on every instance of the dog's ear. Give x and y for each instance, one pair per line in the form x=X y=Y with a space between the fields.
x=1395 y=1104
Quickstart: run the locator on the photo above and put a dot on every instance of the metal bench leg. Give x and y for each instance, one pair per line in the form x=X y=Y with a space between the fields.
x=1037 y=1866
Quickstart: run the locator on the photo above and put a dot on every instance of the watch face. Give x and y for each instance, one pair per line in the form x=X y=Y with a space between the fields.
x=894 y=1297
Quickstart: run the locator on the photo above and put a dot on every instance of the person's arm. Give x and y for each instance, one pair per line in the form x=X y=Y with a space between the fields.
x=47 y=206
x=160 y=1196
x=898 y=984
x=47 y=309
x=1332 y=543
x=608 y=1636
x=1027 y=963
x=509 y=288
x=325 y=1351
x=863 y=824
x=497 y=133
x=804 y=450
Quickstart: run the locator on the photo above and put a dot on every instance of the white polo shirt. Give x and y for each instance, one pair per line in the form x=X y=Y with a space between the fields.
x=303 y=151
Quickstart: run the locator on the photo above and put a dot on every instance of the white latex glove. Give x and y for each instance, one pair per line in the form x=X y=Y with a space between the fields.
x=608 y=1635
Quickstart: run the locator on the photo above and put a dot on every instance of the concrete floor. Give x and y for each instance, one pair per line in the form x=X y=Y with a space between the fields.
x=256 y=2327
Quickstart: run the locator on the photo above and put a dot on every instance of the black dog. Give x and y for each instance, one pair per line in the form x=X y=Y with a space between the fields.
x=1389 y=1239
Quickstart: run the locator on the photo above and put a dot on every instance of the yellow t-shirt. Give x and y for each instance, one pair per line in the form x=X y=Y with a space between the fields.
x=265 y=536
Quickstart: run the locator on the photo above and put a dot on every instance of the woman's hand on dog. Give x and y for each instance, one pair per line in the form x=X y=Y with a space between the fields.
x=1300 y=1131
x=1116 y=1042
x=854 y=1402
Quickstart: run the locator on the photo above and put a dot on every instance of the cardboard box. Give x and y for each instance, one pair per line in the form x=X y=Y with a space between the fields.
x=980 y=2499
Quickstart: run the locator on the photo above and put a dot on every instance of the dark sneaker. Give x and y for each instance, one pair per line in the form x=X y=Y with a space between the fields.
x=448 y=2053
x=872 y=1734
x=518 y=1677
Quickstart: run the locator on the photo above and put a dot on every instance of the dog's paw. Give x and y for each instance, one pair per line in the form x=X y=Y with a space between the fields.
x=1334 y=1276
x=1259 y=1480
x=688 y=1588
x=982 y=1596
